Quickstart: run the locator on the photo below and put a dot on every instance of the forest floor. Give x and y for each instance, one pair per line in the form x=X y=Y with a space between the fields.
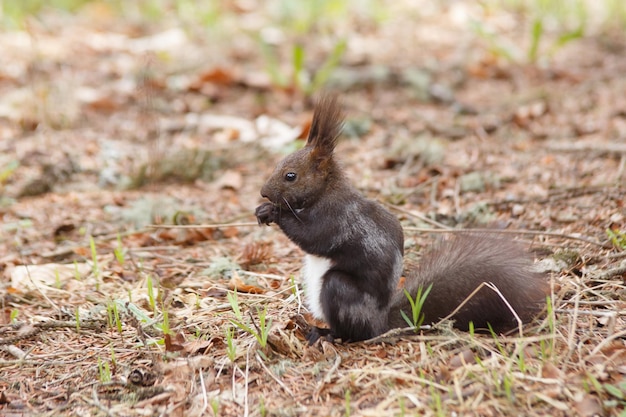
x=110 y=126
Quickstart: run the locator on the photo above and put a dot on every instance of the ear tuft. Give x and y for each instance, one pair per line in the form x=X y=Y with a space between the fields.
x=325 y=127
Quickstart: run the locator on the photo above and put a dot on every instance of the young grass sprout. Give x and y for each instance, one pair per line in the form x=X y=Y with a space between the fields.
x=104 y=371
x=77 y=317
x=94 y=258
x=166 y=320
x=417 y=317
x=119 y=251
x=231 y=349
x=299 y=78
x=114 y=316
x=13 y=316
x=151 y=299
x=260 y=332
x=617 y=238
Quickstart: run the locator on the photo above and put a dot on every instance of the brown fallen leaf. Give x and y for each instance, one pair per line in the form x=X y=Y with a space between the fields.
x=589 y=406
x=230 y=179
x=29 y=277
x=197 y=346
x=462 y=358
x=550 y=371
x=236 y=283
x=170 y=346
x=218 y=76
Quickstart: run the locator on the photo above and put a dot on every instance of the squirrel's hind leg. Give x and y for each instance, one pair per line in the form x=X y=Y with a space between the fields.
x=352 y=314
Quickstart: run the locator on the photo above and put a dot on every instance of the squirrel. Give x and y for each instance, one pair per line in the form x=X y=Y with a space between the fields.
x=354 y=252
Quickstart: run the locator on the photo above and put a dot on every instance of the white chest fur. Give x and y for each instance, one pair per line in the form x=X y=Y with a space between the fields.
x=314 y=269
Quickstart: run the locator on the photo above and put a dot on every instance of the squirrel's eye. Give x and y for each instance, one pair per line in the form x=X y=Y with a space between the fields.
x=290 y=176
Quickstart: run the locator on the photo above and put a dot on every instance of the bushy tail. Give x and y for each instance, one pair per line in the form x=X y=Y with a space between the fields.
x=459 y=265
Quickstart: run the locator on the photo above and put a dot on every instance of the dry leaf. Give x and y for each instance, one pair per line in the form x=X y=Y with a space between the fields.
x=462 y=358
x=550 y=371
x=170 y=346
x=29 y=277
x=589 y=406
x=197 y=346
x=215 y=75
x=230 y=179
x=236 y=283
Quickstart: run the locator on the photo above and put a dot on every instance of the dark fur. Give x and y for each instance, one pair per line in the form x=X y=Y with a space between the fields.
x=323 y=214
x=457 y=266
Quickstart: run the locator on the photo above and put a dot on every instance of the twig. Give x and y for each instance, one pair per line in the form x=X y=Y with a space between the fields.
x=278 y=381
x=510 y=307
x=572 y=331
x=616 y=148
x=395 y=333
x=400 y=375
x=38 y=327
x=205 y=400
x=510 y=232
x=201 y=226
x=15 y=351
x=327 y=377
x=620 y=270
x=30 y=278
x=448 y=229
x=595 y=313
x=418 y=216
x=605 y=342
x=473 y=293
x=246 y=405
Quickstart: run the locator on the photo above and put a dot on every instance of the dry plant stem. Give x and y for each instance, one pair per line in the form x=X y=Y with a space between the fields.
x=596 y=148
x=394 y=334
x=418 y=216
x=400 y=375
x=99 y=238
x=457 y=198
x=473 y=293
x=96 y=402
x=572 y=331
x=562 y=194
x=606 y=275
x=52 y=303
x=247 y=379
x=205 y=400
x=510 y=232
x=620 y=171
x=327 y=378
x=433 y=192
x=47 y=325
x=40 y=360
x=15 y=351
x=444 y=228
x=609 y=314
x=594 y=303
x=447 y=229
x=605 y=342
x=202 y=226
x=274 y=377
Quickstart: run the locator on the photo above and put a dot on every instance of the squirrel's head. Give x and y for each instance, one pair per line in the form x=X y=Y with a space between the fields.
x=299 y=180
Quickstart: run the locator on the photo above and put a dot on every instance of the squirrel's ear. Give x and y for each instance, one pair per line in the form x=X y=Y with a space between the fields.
x=325 y=127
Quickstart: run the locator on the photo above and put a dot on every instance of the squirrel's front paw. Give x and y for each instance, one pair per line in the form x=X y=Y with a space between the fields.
x=265 y=213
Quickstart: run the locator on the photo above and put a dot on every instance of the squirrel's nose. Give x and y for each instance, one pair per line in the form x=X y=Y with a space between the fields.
x=264 y=192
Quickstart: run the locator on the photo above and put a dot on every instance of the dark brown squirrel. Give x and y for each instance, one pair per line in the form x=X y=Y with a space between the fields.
x=355 y=250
